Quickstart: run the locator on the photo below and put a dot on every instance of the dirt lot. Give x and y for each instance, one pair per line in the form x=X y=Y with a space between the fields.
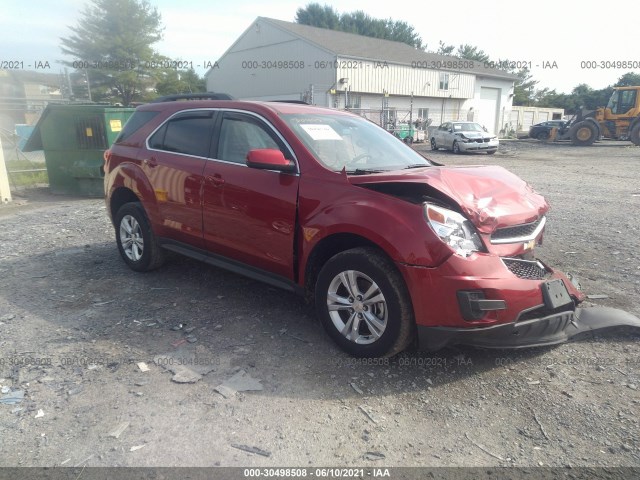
x=75 y=322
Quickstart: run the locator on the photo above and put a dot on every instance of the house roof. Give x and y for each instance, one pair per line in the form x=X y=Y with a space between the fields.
x=376 y=49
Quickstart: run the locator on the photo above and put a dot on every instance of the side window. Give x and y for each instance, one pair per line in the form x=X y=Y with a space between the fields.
x=188 y=133
x=627 y=101
x=241 y=133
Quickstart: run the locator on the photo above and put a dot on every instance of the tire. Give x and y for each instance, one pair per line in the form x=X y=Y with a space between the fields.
x=491 y=152
x=137 y=244
x=408 y=140
x=543 y=136
x=583 y=134
x=434 y=146
x=348 y=282
x=634 y=134
x=456 y=148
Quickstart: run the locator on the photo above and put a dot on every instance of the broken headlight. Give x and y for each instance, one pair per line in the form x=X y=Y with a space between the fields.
x=453 y=229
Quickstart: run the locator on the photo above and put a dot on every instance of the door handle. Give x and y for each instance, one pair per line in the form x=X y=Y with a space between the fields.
x=216 y=179
x=151 y=162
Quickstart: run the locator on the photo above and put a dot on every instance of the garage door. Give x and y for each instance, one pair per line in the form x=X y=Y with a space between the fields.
x=527 y=120
x=489 y=102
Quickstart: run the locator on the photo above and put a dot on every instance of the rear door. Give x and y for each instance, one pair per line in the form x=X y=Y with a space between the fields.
x=249 y=214
x=174 y=162
x=441 y=140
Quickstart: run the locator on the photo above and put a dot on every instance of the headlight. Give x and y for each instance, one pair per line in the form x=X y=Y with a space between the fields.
x=464 y=139
x=453 y=229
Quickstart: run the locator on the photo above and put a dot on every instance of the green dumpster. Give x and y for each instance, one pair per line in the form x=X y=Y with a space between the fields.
x=74 y=138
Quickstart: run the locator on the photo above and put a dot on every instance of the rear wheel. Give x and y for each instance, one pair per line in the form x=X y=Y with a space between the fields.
x=634 y=136
x=137 y=244
x=363 y=303
x=434 y=145
x=491 y=152
x=583 y=134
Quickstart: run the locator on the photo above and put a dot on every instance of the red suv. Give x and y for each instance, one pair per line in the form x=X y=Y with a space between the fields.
x=393 y=247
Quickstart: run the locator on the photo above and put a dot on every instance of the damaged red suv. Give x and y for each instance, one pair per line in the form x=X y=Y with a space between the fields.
x=394 y=248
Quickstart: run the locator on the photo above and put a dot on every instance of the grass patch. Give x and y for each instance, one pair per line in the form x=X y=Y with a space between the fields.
x=26 y=179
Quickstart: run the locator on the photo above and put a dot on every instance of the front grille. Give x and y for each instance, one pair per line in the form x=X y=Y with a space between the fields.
x=526 y=269
x=516 y=233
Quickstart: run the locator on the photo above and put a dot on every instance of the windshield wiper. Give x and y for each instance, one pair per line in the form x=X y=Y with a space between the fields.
x=364 y=171
x=417 y=165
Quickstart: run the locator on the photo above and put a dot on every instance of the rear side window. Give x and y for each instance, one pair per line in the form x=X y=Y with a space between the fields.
x=188 y=133
x=135 y=122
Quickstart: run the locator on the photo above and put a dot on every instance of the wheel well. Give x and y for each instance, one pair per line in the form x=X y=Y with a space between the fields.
x=327 y=248
x=119 y=197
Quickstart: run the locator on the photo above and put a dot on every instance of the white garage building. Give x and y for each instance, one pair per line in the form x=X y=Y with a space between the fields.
x=276 y=60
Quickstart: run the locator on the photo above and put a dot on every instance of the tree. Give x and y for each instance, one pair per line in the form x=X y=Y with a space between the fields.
x=629 y=79
x=113 y=42
x=523 y=93
x=444 y=49
x=174 y=81
x=316 y=15
x=358 y=22
x=470 y=52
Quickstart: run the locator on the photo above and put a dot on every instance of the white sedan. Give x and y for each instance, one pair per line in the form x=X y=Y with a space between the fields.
x=464 y=137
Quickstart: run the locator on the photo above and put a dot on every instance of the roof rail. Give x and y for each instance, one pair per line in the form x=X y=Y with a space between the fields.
x=193 y=96
x=300 y=102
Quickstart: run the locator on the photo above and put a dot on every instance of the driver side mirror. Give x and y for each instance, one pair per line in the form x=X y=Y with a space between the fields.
x=269 y=159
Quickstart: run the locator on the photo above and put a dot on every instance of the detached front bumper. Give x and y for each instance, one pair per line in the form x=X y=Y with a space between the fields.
x=549 y=330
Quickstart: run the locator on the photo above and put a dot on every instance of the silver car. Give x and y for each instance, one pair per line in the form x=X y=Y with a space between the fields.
x=464 y=137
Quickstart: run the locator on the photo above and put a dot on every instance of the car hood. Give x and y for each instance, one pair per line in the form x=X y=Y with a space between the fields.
x=490 y=196
x=469 y=134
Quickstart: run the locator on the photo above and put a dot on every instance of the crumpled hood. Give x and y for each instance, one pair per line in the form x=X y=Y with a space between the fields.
x=490 y=196
x=475 y=135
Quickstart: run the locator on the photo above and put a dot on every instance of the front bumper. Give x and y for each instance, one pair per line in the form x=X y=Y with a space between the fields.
x=549 y=330
x=475 y=146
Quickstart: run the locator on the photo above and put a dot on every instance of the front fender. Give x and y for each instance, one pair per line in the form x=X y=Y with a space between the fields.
x=394 y=225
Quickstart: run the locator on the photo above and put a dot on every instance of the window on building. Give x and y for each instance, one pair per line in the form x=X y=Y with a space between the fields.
x=444 y=81
x=354 y=101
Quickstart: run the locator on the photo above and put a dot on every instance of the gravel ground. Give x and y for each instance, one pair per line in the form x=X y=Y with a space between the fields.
x=75 y=323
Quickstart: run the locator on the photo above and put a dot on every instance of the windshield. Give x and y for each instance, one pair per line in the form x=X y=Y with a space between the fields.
x=467 y=127
x=340 y=141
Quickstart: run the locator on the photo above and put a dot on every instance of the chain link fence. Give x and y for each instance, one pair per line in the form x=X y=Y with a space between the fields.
x=24 y=169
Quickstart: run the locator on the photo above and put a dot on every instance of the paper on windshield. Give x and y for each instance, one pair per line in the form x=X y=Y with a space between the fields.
x=321 y=132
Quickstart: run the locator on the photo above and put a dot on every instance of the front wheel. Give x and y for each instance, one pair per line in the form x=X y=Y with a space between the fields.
x=456 y=147
x=137 y=244
x=491 y=152
x=363 y=303
x=583 y=134
x=543 y=136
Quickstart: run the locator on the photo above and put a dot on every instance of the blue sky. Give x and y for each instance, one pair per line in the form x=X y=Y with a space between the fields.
x=537 y=31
